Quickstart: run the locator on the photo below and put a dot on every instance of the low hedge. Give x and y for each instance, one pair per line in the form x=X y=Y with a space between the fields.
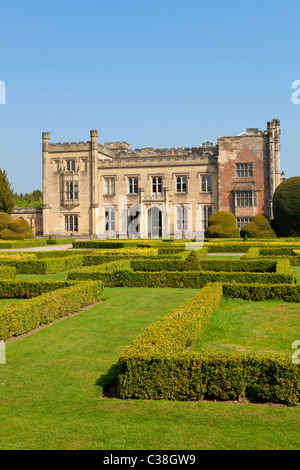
x=205 y=265
x=5 y=245
x=60 y=241
x=23 y=317
x=187 y=376
x=156 y=365
x=123 y=276
x=44 y=266
x=26 y=289
x=181 y=328
x=286 y=292
x=8 y=272
x=242 y=247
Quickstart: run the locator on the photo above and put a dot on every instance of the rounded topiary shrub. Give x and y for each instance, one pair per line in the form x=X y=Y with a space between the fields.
x=8 y=234
x=286 y=208
x=19 y=226
x=222 y=224
x=5 y=220
x=259 y=227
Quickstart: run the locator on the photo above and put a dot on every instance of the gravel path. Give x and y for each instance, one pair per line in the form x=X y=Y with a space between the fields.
x=42 y=248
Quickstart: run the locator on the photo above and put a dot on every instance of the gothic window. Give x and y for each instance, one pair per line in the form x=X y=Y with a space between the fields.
x=133 y=185
x=110 y=219
x=70 y=165
x=182 y=218
x=181 y=184
x=156 y=185
x=109 y=186
x=71 y=223
x=206 y=184
x=207 y=212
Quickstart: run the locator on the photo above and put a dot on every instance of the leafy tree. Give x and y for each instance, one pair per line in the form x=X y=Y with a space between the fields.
x=286 y=208
x=6 y=194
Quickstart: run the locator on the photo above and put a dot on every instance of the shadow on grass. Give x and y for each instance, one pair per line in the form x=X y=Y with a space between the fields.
x=108 y=382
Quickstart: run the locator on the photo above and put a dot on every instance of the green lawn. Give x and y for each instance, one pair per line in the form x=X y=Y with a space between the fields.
x=297 y=273
x=6 y=302
x=51 y=385
x=238 y=325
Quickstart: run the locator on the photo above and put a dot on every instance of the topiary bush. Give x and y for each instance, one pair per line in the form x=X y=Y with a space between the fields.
x=222 y=224
x=14 y=229
x=259 y=227
x=19 y=226
x=8 y=234
x=192 y=262
x=5 y=220
x=286 y=208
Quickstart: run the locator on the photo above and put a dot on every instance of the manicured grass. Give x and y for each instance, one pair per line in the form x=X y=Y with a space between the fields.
x=238 y=325
x=297 y=273
x=51 y=385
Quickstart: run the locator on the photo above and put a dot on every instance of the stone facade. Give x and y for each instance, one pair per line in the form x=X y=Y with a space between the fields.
x=93 y=190
x=33 y=215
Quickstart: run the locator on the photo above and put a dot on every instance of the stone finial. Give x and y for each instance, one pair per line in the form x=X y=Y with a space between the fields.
x=46 y=136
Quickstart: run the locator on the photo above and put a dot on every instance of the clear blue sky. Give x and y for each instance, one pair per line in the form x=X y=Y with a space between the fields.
x=164 y=73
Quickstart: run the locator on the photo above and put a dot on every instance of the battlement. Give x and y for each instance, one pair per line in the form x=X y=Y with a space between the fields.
x=68 y=146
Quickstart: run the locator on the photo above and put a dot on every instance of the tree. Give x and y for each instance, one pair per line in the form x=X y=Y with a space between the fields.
x=286 y=208
x=6 y=194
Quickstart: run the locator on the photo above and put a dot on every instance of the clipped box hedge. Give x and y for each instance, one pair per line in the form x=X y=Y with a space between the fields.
x=26 y=289
x=60 y=241
x=6 y=245
x=8 y=272
x=44 y=266
x=187 y=376
x=25 y=316
x=157 y=366
x=286 y=292
x=205 y=265
x=119 y=274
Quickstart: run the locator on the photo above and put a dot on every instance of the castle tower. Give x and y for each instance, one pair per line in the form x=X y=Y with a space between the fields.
x=274 y=160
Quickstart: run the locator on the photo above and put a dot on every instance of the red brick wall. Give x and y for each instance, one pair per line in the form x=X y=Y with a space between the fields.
x=243 y=149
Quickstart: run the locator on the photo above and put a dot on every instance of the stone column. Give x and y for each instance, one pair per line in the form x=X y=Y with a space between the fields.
x=94 y=189
x=46 y=166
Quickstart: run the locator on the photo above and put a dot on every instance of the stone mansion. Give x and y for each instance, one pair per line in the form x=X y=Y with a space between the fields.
x=108 y=190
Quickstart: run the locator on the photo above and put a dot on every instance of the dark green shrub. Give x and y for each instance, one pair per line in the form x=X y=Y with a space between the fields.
x=259 y=227
x=222 y=224
x=286 y=208
x=192 y=262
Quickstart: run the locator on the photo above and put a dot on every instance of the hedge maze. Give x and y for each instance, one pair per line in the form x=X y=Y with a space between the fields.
x=158 y=363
